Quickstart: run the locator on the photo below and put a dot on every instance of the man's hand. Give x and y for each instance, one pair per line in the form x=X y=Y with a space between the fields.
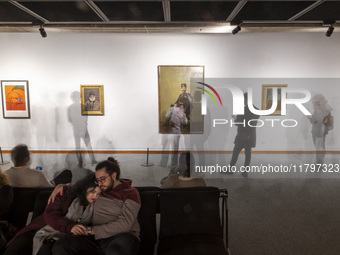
x=78 y=230
x=57 y=190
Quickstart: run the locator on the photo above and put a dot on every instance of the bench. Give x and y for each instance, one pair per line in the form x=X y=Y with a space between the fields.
x=190 y=218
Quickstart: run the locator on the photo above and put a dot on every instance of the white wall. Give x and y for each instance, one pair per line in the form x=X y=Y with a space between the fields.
x=126 y=64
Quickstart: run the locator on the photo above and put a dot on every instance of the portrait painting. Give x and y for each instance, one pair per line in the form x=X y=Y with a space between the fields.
x=267 y=97
x=15 y=99
x=92 y=99
x=179 y=94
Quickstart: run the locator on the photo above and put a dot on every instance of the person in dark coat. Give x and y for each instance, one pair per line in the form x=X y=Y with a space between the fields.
x=185 y=99
x=246 y=135
x=6 y=195
x=319 y=120
x=6 y=199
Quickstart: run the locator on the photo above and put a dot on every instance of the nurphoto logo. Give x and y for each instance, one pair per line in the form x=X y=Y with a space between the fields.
x=239 y=102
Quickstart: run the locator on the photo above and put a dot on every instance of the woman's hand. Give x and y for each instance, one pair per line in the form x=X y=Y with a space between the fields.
x=57 y=190
x=78 y=230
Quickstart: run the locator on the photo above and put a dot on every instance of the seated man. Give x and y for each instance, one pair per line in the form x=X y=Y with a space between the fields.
x=21 y=175
x=115 y=228
x=180 y=177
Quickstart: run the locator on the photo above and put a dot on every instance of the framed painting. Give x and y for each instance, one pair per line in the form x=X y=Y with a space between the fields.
x=177 y=91
x=92 y=99
x=267 y=97
x=15 y=100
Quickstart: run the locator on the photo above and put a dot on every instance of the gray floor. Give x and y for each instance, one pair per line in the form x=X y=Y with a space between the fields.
x=268 y=214
x=271 y=214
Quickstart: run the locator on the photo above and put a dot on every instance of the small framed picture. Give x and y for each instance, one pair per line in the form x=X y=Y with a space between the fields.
x=267 y=97
x=15 y=100
x=92 y=99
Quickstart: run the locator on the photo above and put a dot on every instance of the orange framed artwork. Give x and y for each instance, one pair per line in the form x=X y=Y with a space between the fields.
x=15 y=99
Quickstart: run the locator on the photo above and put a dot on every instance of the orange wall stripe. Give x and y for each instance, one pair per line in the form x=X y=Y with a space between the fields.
x=164 y=152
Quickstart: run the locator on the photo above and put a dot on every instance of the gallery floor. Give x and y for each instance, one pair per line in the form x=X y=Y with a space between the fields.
x=268 y=214
x=276 y=214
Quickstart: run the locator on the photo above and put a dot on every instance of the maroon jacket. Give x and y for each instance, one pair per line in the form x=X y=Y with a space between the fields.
x=54 y=215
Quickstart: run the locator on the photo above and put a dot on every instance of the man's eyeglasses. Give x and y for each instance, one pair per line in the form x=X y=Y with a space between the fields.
x=101 y=180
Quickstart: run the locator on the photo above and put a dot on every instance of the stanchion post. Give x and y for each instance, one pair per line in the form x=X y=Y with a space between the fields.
x=147 y=159
x=2 y=159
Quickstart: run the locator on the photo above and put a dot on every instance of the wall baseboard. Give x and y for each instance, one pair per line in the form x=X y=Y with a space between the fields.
x=164 y=152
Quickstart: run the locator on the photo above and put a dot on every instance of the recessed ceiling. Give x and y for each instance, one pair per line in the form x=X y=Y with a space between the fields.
x=65 y=11
x=328 y=10
x=132 y=10
x=201 y=11
x=271 y=10
x=164 y=16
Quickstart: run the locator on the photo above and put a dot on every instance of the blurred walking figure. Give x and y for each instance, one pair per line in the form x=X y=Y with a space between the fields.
x=322 y=122
x=177 y=119
x=246 y=135
x=80 y=131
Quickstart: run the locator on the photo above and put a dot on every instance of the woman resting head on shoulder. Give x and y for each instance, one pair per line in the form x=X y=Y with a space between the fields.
x=70 y=213
x=87 y=189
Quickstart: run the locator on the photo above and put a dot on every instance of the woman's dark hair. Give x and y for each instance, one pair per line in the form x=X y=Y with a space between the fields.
x=81 y=186
x=111 y=166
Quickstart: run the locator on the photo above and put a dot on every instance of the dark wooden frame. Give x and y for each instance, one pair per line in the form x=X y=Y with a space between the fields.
x=15 y=114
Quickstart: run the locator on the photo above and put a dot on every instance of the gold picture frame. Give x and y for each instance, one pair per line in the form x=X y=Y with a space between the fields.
x=267 y=90
x=92 y=99
x=170 y=81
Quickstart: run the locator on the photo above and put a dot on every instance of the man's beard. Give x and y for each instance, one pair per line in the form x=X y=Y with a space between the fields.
x=108 y=188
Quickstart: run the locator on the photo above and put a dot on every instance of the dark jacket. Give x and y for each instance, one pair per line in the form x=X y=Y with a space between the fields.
x=54 y=215
x=246 y=135
x=6 y=199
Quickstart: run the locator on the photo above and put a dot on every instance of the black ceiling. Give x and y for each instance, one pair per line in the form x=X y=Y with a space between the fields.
x=170 y=12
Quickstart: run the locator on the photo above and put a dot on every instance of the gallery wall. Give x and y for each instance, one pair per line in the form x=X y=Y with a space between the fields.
x=126 y=64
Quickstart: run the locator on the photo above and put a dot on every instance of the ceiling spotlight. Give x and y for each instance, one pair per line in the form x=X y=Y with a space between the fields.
x=330 y=31
x=236 y=29
x=42 y=31
x=329 y=24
